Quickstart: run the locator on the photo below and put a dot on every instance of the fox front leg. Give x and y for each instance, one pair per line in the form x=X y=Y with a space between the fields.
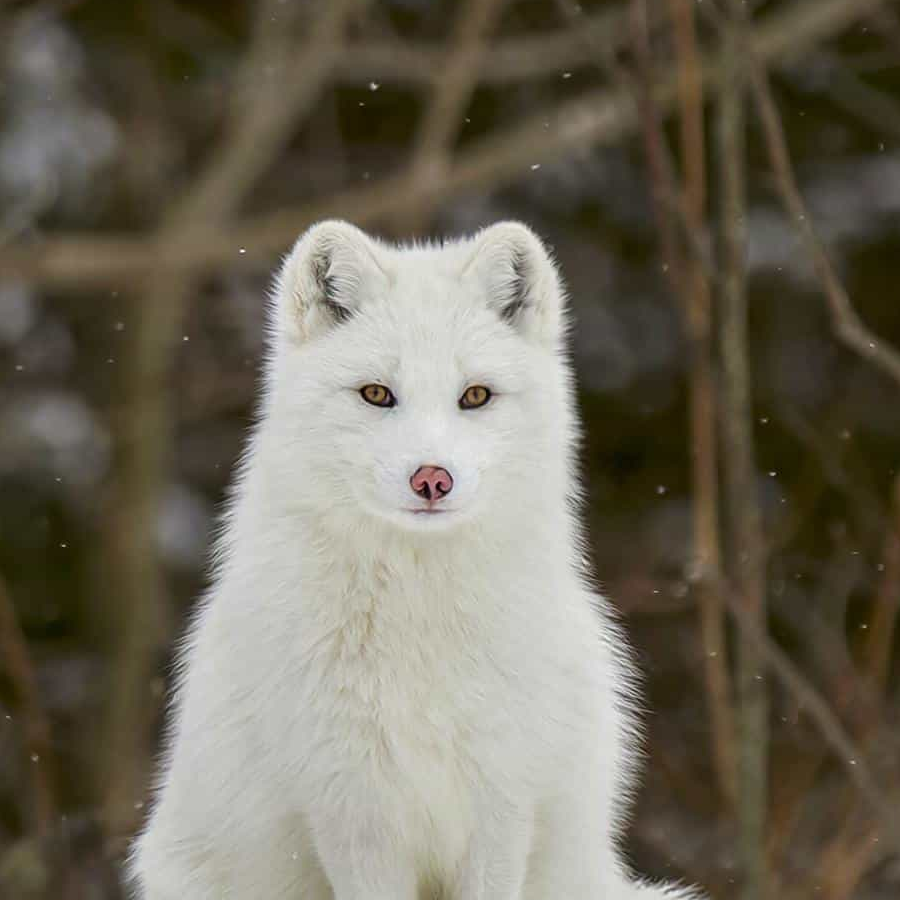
x=496 y=863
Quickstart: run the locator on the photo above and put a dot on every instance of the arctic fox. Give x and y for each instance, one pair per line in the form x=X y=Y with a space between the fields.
x=401 y=684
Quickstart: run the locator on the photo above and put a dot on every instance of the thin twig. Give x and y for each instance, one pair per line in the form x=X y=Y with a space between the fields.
x=847 y=858
x=851 y=757
x=692 y=289
x=431 y=154
x=747 y=555
x=35 y=724
x=886 y=604
x=511 y=59
x=659 y=166
x=876 y=109
x=827 y=452
x=852 y=698
x=669 y=203
x=279 y=84
x=845 y=320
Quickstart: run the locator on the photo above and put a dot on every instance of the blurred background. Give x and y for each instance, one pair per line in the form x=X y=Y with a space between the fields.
x=720 y=180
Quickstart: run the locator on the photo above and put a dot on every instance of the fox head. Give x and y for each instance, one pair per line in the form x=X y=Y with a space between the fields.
x=420 y=386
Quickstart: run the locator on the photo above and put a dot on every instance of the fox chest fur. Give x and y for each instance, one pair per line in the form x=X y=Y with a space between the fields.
x=397 y=669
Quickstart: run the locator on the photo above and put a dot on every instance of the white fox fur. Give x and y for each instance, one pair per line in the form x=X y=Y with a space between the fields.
x=381 y=705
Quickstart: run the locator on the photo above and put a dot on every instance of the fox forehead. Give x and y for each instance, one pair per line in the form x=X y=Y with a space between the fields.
x=427 y=342
x=427 y=287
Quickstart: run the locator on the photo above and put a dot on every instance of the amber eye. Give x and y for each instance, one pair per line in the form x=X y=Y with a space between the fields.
x=378 y=395
x=474 y=396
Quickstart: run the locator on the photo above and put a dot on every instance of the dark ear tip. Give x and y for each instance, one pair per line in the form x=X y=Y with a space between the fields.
x=513 y=310
x=338 y=311
x=518 y=286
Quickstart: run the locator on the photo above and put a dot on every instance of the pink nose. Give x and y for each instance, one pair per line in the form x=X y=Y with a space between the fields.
x=431 y=482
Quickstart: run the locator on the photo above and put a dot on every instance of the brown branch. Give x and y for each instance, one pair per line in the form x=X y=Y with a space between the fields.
x=663 y=186
x=847 y=858
x=35 y=724
x=852 y=697
x=515 y=59
x=597 y=117
x=440 y=124
x=691 y=289
x=458 y=80
x=874 y=108
x=697 y=306
x=669 y=205
x=848 y=327
x=686 y=274
x=886 y=604
x=747 y=555
x=511 y=59
x=690 y=101
x=279 y=85
x=826 y=454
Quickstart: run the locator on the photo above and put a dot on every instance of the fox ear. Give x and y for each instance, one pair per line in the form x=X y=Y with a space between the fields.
x=331 y=272
x=513 y=268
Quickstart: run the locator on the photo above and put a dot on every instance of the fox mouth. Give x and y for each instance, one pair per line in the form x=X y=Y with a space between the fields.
x=428 y=512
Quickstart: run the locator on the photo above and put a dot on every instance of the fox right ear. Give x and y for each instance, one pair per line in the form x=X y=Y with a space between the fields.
x=332 y=270
x=510 y=265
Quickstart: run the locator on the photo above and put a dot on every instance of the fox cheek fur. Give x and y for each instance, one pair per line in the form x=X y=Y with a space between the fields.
x=399 y=683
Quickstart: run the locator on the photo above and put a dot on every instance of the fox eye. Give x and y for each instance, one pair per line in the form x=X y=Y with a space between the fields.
x=474 y=396
x=378 y=395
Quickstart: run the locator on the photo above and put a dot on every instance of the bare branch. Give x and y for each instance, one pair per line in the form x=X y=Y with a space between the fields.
x=876 y=109
x=511 y=59
x=827 y=457
x=663 y=185
x=691 y=290
x=35 y=725
x=261 y=122
x=851 y=757
x=747 y=555
x=277 y=88
x=670 y=208
x=847 y=324
x=847 y=858
x=450 y=98
x=886 y=605
x=596 y=118
x=846 y=321
x=703 y=414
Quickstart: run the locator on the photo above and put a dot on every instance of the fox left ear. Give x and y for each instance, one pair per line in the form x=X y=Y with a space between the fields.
x=514 y=269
